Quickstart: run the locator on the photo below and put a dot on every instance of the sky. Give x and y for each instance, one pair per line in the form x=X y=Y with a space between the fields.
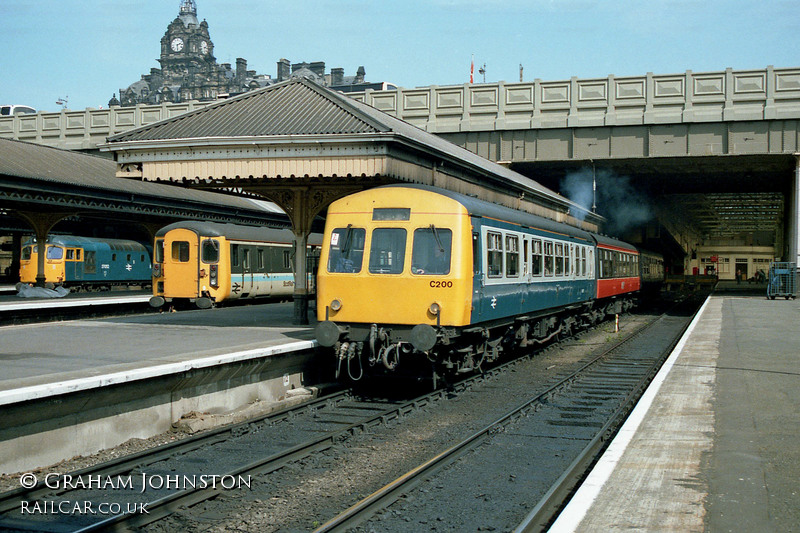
x=84 y=51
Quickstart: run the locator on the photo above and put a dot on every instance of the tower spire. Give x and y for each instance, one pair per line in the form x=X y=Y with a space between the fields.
x=188 y=7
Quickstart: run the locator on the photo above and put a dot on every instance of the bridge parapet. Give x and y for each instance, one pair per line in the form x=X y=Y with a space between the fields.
x=727 y=95
x=84 y=130
x=653 y=99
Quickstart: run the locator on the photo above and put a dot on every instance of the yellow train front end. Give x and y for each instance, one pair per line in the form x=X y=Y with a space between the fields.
x=395 y=273
x=190 y=267
x=54 y=266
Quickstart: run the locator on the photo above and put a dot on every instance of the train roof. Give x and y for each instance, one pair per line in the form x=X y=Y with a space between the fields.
x=483 y=208
x=238 y=232
x=616 y=243
x=73 y=240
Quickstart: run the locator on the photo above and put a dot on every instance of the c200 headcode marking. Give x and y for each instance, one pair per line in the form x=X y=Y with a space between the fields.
x=441 y=284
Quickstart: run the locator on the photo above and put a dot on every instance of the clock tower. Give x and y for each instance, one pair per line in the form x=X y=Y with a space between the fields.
x=187 y=56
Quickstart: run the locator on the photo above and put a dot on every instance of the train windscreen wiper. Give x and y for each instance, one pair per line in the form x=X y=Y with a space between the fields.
x=347 y=238
x=438 y=240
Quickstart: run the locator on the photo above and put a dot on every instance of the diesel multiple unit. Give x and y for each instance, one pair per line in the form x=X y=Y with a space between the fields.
x=414 y=276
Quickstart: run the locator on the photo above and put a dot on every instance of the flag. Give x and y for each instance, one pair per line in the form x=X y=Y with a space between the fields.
x=472 y=70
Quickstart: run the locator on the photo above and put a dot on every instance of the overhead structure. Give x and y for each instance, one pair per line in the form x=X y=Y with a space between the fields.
x=43 y=186
x=303 y=146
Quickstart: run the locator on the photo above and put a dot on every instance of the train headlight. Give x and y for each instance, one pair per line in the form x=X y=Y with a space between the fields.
x=336 y=304
x=157 y=270
x=435 y=309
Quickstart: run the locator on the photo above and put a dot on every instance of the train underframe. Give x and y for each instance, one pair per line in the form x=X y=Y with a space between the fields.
x=440 y=351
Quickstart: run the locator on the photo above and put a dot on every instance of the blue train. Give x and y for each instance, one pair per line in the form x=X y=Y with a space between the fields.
x=87 y=262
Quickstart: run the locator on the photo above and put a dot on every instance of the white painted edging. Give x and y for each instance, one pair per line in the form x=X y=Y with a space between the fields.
x=65 y=387
x=83 y=302
x=575 y=511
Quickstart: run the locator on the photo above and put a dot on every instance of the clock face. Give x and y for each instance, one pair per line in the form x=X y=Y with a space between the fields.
x=177 y=44
x=204 y=47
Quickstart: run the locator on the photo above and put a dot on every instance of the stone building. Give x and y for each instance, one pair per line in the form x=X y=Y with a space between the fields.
x=189 y=70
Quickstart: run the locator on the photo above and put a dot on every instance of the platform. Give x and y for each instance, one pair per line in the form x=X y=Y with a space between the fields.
x=713 y=445
x=52 y=358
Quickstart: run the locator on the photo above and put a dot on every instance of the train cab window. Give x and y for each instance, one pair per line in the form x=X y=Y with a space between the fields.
x=346 y=252
x=180 y=251
x=26 y=253
x=536 y=257
x=209 y=251
x=512 y=256
x=494 y=250
x=54 y=253
x=70 y=254
x=559 y=259
x=549 y=260
x=387 y=251
x=431 y=251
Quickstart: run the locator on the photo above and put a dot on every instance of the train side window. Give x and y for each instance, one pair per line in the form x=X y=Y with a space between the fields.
x=494 y=251
x=287 y=260
x=113 y=257
x=158 y=251
x=476 y=268
x=512 y=256
x=90 y=263
x=129 y=257
x=559 y=259
x=568 y=263
x=209 y=252
x=70 y=254
x=583 y=261
x=180 y=251
x=235 y=255
x=387 y=251
x=549 y=260
x=431 y=251
x=346 y=250
x=536 y=251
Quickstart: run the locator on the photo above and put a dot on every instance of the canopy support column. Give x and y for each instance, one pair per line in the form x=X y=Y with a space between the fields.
x=42 y=223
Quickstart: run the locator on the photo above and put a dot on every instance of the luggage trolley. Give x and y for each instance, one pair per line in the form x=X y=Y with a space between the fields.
x=782 y=280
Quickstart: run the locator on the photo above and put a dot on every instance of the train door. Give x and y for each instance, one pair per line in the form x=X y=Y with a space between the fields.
x=247 y=269
x=73 y=264
x=181 y=264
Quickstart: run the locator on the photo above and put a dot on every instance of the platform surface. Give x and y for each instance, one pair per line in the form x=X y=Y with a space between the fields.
x=42 y=355
x=715 y=443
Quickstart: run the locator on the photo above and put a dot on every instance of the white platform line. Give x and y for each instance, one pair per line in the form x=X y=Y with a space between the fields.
x=57 y=303
x=575 y=511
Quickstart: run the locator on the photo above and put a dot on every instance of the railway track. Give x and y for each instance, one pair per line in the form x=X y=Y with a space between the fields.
x=232 y=455
x=588 y=406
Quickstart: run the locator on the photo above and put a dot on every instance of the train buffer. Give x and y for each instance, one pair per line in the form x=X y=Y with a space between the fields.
x=782 y=280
